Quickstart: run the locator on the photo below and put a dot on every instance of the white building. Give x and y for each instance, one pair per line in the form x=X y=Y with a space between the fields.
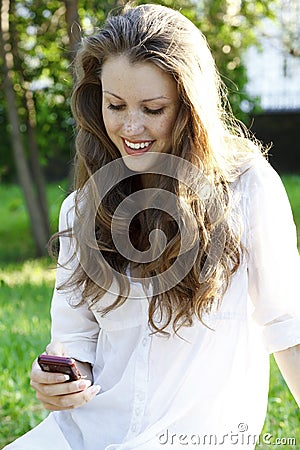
x=274 y=72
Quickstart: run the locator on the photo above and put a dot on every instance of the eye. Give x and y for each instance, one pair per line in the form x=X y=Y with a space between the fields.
x=115 y=107
x=154 y=111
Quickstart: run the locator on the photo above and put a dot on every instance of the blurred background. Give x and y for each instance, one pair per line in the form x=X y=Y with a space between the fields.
x=256 y=45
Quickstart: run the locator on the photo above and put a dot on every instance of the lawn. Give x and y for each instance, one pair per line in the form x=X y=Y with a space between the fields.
x=26 y=287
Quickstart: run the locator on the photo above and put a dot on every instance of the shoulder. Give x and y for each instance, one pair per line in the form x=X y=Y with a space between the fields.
x=67 y=211
x=72 y=206
x=258 y=176
x=260 y=196
x=69 y=202
x=264 y=198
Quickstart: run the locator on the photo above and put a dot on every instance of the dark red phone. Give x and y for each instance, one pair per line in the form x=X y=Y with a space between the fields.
x=59 y=364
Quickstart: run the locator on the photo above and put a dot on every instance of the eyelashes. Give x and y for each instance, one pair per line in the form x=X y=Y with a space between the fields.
x=153 y=112
x=115 y=107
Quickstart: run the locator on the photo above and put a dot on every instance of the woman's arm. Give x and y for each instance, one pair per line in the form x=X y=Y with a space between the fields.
x=289 y=364
x=274 y=269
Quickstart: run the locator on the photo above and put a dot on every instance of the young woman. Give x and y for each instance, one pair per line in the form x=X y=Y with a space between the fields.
x=178 y=267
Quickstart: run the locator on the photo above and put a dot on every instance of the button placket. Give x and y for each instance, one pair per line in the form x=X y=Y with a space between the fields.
x=141 y=382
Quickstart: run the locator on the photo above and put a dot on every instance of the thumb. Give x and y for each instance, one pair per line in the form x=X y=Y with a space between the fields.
x=56 y=348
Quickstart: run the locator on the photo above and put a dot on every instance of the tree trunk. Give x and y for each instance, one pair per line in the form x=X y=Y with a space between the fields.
x=30 y=117
x=34 y=157
x=73 y=26
x=74 y=34
x=36 y=220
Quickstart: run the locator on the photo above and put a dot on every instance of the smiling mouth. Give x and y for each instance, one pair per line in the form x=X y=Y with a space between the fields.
x=137 y=147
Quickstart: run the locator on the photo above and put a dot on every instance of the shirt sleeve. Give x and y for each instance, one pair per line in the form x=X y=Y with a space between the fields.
x=273 y=258
x=75 y=327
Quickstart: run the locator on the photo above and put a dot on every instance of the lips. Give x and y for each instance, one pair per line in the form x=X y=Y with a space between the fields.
x=137 y=147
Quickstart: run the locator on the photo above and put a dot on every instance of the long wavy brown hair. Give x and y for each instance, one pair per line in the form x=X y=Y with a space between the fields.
x=203 y=135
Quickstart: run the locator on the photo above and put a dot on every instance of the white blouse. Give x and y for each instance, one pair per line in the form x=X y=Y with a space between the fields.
x=208 y=387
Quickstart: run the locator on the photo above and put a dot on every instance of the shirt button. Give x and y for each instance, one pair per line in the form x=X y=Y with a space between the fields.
x=144 y=342
x=137 y=411
x=133 y=428
x=141 y=396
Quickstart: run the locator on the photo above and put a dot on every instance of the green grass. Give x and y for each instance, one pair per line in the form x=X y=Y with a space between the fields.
x=24 y=332
x=283 y=415
x=292 y=185
x=16 y=243
x=26 y=288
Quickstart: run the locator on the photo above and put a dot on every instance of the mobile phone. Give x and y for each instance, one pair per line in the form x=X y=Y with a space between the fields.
x=60 y=364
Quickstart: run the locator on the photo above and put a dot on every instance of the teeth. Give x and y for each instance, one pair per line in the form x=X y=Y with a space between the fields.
x=137 y=146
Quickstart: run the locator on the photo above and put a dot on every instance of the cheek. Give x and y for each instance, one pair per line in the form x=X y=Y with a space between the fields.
x=110 y=122
x=164 y=129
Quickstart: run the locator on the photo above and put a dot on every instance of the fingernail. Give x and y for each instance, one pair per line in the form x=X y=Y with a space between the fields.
x=95 y=389
x=62 y=378
x=84 y=384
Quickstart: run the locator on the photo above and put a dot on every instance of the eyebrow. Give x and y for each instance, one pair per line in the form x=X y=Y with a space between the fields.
x=143 y=101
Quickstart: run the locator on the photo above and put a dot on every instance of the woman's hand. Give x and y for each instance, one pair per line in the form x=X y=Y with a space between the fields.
x=53 y=391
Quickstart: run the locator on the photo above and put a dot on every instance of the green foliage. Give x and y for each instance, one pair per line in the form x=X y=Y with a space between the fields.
x=38 y=37
x=6 y=158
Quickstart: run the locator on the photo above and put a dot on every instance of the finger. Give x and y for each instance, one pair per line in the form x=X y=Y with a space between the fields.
x=40 y=377
x=71 y=401
x=35 y=365
x=56 y=348
x=46 y=380
x=51 y=407
x=52 y=390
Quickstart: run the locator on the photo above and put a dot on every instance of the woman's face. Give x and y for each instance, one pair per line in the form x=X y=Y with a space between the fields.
x=140 y=105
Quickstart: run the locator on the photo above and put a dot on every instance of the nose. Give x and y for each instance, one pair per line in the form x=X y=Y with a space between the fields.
x=133 y=124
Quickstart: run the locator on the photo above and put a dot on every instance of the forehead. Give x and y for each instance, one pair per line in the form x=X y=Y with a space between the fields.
x=143 y=79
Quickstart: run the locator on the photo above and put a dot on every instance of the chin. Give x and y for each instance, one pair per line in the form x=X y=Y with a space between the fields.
x=142 y=163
